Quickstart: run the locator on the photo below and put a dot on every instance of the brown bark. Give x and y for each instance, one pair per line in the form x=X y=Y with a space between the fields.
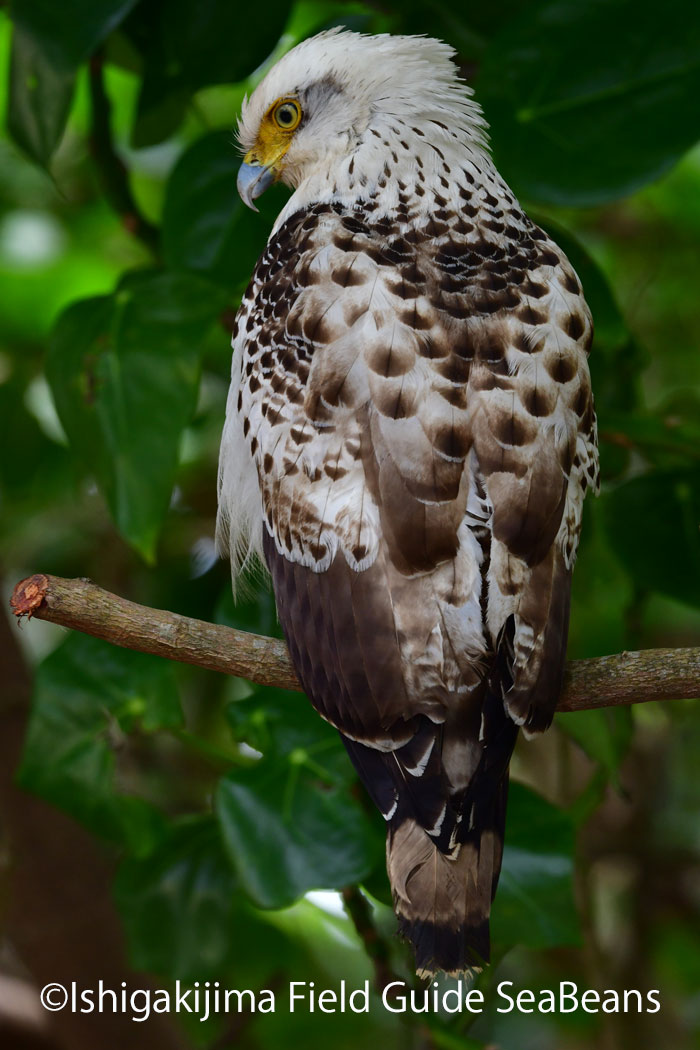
x=625 y=678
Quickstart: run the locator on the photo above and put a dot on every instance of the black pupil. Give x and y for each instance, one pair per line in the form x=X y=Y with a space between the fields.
x=286 y=115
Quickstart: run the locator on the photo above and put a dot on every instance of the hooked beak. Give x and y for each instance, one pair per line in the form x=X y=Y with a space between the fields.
x=253 y=180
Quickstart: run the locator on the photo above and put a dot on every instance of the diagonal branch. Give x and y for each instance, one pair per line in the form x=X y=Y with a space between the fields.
x=606 y=681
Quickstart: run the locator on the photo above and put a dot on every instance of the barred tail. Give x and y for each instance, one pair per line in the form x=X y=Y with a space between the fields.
x=443 y=903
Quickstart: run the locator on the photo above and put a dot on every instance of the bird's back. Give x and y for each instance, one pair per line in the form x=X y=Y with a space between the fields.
x=411 y=420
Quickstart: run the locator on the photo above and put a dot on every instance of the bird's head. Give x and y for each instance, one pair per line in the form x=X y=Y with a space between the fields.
x=339 y=91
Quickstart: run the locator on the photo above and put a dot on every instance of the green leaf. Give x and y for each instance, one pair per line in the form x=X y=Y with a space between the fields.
x=124 y=372
x=288 y=829
x=161 y=110
x=617 y=360
x=467 y=27
x=253 y=611
x=534 y=904
x=615 y=352
x=69 y=32
x=668 y=437
x=589 y=101
x=604 y=734
x=189 y=46
x=182 y=909
x=206 y=226
x=177 y=903
x=183 y=912
x=204 y=44
x=602 y=592
x=278 y=722
x=87 y=695
x=653 y=523
x=39 y=100
x=676 y=826
x=305 y=788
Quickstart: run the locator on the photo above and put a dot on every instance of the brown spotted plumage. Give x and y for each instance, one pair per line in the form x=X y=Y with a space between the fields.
x=409 y=438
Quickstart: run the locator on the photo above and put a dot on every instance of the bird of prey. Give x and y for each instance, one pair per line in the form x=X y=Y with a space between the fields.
x=409 y=437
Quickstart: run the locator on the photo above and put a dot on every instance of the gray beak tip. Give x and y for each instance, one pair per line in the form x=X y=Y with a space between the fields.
x=253 y=180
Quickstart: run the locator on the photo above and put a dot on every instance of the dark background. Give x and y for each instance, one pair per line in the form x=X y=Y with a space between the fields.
x=166 y=821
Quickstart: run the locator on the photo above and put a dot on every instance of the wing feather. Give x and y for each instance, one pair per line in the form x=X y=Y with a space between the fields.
x=421 y=429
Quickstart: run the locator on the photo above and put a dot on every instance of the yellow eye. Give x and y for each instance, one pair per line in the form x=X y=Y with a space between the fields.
x=287 y=115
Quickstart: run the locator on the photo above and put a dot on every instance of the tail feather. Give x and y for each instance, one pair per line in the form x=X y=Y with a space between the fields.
x=444 y=902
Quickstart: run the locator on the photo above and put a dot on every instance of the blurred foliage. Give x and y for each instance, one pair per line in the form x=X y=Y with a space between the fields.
x=123 y=253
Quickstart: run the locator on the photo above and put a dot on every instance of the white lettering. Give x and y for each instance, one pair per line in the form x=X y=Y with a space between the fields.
x=571 y=995
x=181 y=999
x=140 y=1013
x=392 y=999
x=359 y=999
x=526 y=997
x=653 y=998
x=504 y=995
x=161 y=1003
x=327 y=1001
x=590 y=996
x=295 y=996
x=628 y=994
x=266 y=1001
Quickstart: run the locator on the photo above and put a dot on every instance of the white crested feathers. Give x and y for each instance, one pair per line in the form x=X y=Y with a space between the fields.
x=351 y=85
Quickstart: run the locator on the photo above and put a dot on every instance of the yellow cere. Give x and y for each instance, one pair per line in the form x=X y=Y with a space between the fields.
x=275 y=135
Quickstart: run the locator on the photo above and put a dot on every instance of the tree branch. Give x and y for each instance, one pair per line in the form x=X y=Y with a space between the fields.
x=606 y=681
x=83 y=606
x=360 y=912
